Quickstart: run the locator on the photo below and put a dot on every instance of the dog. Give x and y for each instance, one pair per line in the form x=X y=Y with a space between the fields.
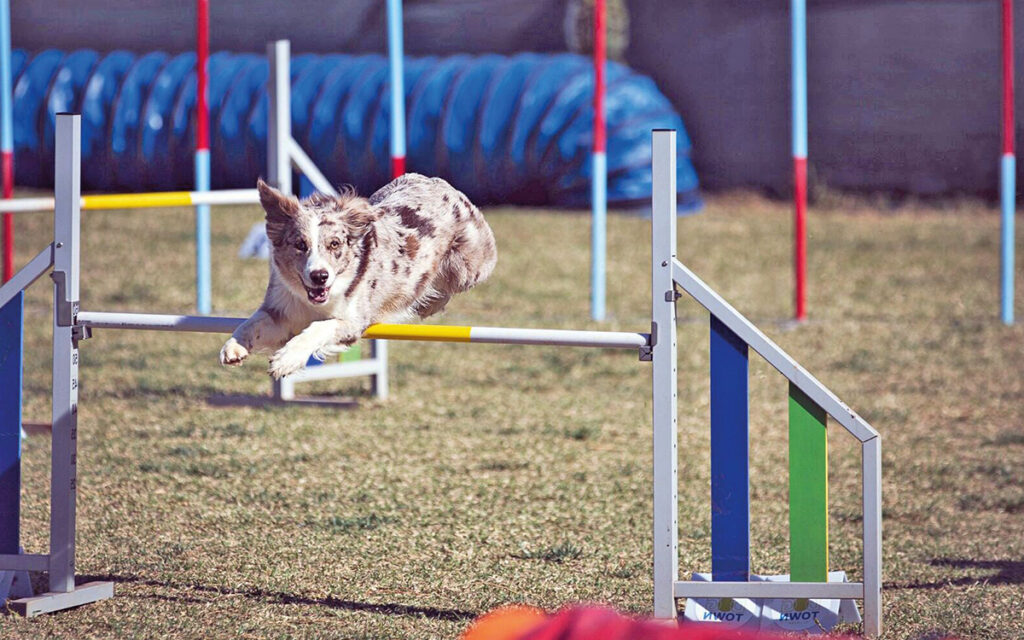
x=341 y=263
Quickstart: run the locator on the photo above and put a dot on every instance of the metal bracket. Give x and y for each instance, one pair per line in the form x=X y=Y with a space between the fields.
x=66 y=309
x=672 y=296
x=647 y=351
x=80 y=332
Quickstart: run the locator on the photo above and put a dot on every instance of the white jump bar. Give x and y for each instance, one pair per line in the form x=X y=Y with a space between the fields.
x=559 y=337
x=157 y=322
x=138 y=201
x=825 y=590
x=490 y=335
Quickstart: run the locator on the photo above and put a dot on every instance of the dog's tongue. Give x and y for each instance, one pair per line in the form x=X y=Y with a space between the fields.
x=318 y=294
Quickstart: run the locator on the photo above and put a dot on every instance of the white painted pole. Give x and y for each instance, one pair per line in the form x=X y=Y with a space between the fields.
x=279 y=138
x=279 y=129
x=663 y=386
x=130 y=201
x=64 y=414
x=423 y=333
x=871 y=456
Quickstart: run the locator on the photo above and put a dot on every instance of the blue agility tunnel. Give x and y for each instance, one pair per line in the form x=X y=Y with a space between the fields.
x=503 y=129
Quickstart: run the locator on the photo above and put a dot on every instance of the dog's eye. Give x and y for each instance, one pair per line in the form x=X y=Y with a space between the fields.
x=302 y=246
x=334 y=244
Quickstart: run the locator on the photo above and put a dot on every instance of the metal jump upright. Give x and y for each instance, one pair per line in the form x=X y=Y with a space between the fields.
x=732 y=335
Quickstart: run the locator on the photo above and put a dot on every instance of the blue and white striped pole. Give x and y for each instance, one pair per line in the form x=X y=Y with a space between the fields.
x=1007 y=171
x=395 y=63
x=202 y=158
x=203 y=294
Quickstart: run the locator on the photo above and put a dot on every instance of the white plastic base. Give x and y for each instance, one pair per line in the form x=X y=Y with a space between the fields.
x=773 y=614
x=50 y=602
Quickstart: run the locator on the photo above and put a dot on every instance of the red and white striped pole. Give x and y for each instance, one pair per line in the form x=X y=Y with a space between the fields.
x=599 y=179
x=202 y=157
x=396 y=68
x=6 y=137
x=799 y=70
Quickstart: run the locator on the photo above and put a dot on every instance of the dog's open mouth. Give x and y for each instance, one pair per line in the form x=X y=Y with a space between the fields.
x=317 y=295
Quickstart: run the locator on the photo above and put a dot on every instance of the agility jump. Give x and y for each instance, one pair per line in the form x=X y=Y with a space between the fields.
x=732 y=337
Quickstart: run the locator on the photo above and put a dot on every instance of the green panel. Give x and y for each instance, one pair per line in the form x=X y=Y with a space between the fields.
x=353 y=354
x=808 y=489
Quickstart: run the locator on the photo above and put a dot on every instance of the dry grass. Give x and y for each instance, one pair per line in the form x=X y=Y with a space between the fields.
x=502 y=474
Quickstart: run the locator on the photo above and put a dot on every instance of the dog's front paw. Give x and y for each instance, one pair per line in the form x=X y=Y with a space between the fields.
x=286 y=362
x=232 y=354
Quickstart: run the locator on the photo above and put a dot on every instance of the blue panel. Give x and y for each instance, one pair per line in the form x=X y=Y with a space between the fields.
x=11 y=356
x=730 y=445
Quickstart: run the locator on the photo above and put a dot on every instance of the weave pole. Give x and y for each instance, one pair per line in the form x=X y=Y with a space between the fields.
x=598 y=181
x=202 y=158
x=396 y=67
x=6 y=137
x=799 y=69
x=1007 y=170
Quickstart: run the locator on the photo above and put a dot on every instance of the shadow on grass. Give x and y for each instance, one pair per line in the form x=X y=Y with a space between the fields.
x=277 y=597
x=239 y=400
x=1008 y=572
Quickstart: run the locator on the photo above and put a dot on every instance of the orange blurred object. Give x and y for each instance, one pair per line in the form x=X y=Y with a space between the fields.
x=506 y=623
x=598 y=623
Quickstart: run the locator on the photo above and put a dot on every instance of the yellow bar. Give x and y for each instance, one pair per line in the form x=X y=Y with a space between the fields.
x=138 y=200
x=432 y=332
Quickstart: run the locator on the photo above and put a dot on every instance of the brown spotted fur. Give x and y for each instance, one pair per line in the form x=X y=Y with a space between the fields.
x=401 y=253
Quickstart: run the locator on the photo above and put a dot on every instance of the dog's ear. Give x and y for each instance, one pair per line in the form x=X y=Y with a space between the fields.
x=359 y=213
x=279 y=207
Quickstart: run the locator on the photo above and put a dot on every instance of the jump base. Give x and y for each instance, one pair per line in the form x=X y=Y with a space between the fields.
x=56 y=601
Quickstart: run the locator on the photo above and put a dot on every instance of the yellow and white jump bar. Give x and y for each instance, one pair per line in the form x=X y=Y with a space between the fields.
x=420 y=332
x=139 y=200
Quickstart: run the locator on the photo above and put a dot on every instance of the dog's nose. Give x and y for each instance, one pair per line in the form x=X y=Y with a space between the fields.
x=319 y=277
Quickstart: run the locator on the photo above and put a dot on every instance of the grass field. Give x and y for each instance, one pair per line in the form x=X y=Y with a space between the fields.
x=500 y=474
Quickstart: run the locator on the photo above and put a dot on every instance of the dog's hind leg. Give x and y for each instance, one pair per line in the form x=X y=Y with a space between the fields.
x=431 y=305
